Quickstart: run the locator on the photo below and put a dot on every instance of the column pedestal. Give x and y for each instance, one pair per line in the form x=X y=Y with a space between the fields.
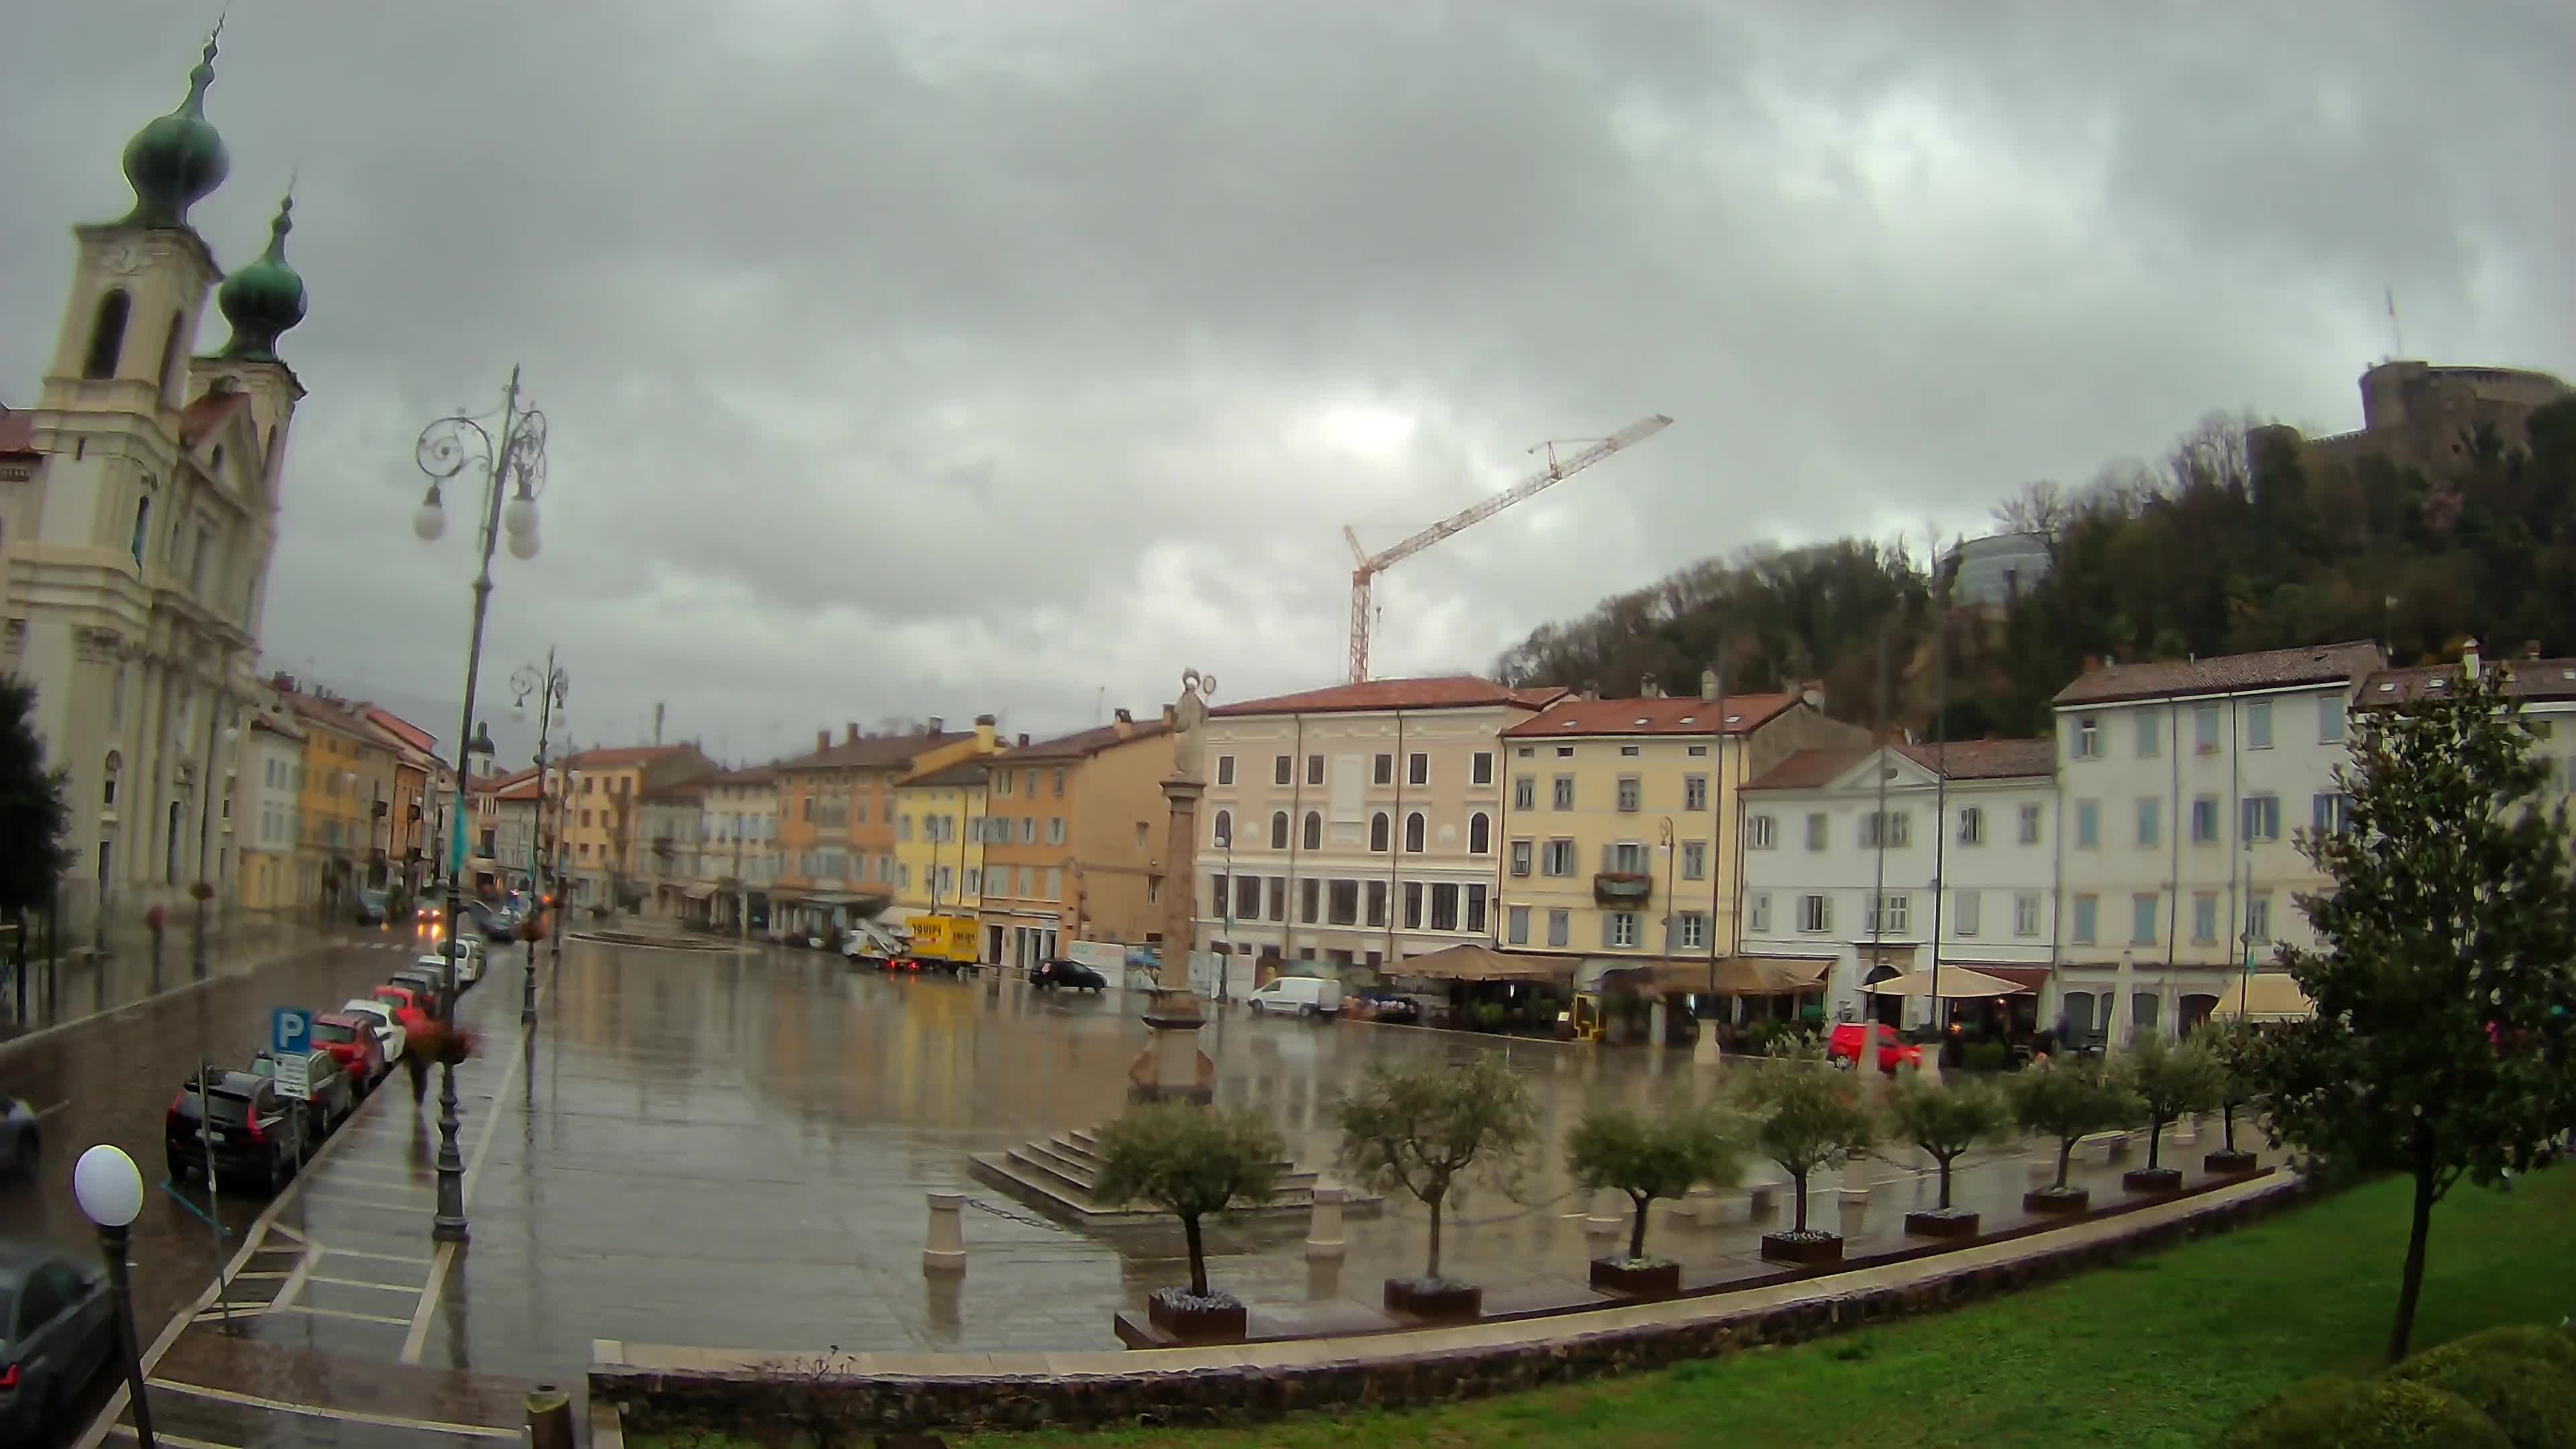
x=1171 y=1067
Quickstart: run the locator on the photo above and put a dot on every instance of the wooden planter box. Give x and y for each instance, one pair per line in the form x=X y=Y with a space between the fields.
x=1618 y=1275
x=2062 y=1204
x=2224 y=1163
x=1217 y=1318
x=1808 y=1251
x=1438 y=1299
x=1935 y=1223
x=2151 y=1179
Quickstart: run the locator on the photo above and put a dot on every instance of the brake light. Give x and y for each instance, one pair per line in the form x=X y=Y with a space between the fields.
x=256 y=1134
x=9 y=1377
x=176 y=1099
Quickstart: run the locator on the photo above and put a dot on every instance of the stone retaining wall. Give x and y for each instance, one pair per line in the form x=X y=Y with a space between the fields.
x=1394 y=1370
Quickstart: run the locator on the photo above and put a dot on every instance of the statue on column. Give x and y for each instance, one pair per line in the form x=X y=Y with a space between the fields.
x=1189 y=727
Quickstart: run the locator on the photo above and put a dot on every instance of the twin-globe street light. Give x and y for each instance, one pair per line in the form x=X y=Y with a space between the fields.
x=446 y=448
x=110 y=1193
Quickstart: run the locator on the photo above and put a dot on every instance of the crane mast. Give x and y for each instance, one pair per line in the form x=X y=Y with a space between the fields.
x=1368 y=566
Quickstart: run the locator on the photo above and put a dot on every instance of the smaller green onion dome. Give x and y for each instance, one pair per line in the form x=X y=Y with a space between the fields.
x=177 y=160
x=265 y=298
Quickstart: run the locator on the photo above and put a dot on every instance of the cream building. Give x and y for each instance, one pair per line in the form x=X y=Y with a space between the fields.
x=136 y=547
x=1359 y=824
x=270 y=820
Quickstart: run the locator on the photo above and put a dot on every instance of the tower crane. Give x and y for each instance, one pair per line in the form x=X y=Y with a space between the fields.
x=1369 y=565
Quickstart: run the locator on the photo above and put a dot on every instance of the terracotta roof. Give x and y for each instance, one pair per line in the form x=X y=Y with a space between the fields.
x=208 y=413
x=1083 y=744
x=891 y=752
x=1663 y=715
x=327 y=713
x=1459 y=691
x=2270 y=669
x=17 y=431
x=2524 y=679
x=1964 y=760
x=403 y=729
x=748 y=775
x=961 y=775
x=621 y=757
x=283 y=728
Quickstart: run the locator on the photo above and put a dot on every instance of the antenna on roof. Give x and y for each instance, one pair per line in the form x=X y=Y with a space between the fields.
x=2396 y=332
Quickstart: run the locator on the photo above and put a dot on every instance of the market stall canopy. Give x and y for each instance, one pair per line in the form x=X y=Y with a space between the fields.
x=2266 y=996
x=1483 y=963
x=1956 y=982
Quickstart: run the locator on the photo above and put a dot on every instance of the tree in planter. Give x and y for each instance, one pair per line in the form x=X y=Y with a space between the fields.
x=1807 y=1116
x=2169 y=1081
x=2444 y=975
x=2236 y=1046
x=1420 y=1128
x=2070 y=1099
x=1946 y=1121
x=1649 y=1157
x=1189 y=1161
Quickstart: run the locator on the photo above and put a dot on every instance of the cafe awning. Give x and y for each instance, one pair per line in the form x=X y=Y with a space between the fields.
x=1734 y=975
x=1956 y=982
x=1483 y=963
x=699 y=892
x=2266 y=996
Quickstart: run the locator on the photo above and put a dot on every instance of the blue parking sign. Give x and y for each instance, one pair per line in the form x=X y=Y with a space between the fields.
x=290 y=1031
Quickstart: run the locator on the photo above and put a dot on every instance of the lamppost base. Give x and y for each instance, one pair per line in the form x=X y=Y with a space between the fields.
x=1171 y=1068
x=447 y=1230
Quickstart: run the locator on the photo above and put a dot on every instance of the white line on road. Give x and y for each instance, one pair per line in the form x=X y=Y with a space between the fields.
x=348 y=1416
x=175 y=1441
x=44 y=1113
x=339 y=1313
x=465 y=1195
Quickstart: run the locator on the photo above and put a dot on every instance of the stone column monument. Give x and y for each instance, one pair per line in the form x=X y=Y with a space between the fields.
x=1172 y=1067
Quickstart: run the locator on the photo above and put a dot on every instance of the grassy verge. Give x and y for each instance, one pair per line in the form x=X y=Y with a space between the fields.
x=2161 y=1351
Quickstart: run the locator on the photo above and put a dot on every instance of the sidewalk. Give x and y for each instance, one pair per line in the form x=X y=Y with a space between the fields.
x=85 y=983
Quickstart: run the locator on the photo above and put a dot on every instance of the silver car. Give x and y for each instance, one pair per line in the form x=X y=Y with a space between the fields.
x=59 y=1319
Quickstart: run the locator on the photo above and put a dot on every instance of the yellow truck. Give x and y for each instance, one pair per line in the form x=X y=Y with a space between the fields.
x=945 y=942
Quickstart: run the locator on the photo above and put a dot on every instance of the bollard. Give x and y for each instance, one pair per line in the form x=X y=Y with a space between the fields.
x=549 y=1418
x=1706 y=1052
x=1855 y=1205
x=1605 y=1217
x=1324 y=1237
x=1762 y=1197
x=2186 y=1131
x=1859 y=1170
x=947 y=1248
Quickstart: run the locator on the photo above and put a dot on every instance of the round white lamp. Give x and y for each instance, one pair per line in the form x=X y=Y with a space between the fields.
x=110 y=1193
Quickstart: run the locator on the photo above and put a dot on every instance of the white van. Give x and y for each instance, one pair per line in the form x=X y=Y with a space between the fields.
x=1303 y=995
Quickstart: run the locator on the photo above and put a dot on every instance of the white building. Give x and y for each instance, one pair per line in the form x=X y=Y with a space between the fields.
x=2181 y=785
x=1870 y=862
x=138 y=513
x=1364 y=820
x=269 y=821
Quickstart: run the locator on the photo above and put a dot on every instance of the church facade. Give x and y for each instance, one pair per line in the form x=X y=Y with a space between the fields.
x=138 y=524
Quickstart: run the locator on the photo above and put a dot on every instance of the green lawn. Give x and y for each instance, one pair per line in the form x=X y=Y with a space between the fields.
x=2159 y=1352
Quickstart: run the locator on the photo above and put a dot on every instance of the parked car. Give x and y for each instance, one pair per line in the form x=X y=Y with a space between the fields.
x=428 y=986
x=493 y=923
x=469 y=964
x=406 y=1007
x=1311 y=996
x=256 y=1132
x=372 y=906
x=391 y=1033
x=1389 y=1006
x=20 y=1139
x=353 y=1043
x=330 y=1093
x=1842 y=1046
x=1071 y=975
x=57 y=1331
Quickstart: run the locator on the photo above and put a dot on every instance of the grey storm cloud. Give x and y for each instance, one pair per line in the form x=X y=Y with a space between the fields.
x=933 y=359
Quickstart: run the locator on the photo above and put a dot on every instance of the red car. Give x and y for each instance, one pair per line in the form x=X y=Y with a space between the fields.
x=352 y=1043
x=1843 y=1047
x=406 y=1005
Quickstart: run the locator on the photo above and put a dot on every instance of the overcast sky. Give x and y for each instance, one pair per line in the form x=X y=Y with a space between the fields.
x=948 y=357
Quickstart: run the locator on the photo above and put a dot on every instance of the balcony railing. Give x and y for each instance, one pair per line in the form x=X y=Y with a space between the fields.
x=1622 y=888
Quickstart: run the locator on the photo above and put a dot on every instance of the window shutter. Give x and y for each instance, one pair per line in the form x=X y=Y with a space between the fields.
x=1605 y=928
x=1609 y=856
x=1825 y=912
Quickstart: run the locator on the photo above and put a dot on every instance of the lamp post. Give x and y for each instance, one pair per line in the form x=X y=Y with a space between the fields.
x=550 y=687
x=514 y=466
x=110 y=1193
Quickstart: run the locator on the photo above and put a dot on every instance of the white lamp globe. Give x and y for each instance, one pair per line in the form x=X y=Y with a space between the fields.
x=429 y=522
x=523 y=545
x=108 y=1188
x=519 y=515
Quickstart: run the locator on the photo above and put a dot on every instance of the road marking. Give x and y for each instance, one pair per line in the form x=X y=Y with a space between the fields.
x=175 y=1441
x=337 y=1200
x=428 y=1304
x=379 y=1257
x=338 y=1313
x=239 y=1277
x=364 y=1283
x=447 y=1251
x=347 y=1416
x=49 y=1111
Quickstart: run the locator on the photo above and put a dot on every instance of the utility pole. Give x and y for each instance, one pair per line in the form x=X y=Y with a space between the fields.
x=1940 y=787
x=1878 y=891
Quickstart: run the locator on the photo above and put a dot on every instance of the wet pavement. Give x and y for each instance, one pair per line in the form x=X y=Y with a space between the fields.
x=733 y=1150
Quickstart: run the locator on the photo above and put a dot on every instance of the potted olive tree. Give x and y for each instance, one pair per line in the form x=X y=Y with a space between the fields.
x=1190 y=1161
x=1647 y=1158
x=2237 y=1046
x=2068 y=1100
x=2168 y=1081
x=1419 y=1129
x=1807 y=1116
x=1945 y=1121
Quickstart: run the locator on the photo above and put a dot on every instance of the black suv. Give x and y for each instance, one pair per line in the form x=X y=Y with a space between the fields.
x=1071 y=975
x=256 y=1131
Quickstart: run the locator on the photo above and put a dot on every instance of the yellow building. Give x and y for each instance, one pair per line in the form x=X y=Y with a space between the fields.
x=939 y=840
x=1619 y=820
x=344 y=759
x=269 y=830
x=835 y=824
x=603 y=819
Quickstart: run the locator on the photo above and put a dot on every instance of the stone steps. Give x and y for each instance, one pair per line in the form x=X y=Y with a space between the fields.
x=1057 y=1176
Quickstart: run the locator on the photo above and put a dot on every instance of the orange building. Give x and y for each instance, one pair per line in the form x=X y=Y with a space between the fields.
x=604 y=816
x=836 y=820
x=1073 y=836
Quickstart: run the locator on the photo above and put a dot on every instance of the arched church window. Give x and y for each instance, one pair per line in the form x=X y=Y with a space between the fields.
x=142 y=526
x=170 y=354
x=107 y=792
x=107 y=334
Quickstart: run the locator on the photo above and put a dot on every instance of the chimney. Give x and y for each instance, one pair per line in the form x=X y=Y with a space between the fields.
x=2530 y=648
x=1124 y=723
x=282 y=682
x=1647 y=688
x=936 y=724
x=850 y=731
x=2092 y=663
x=1592 y=689
x=2469 y=663
x=1708 y=684
x=1024 y=741
x=984 y=733
x=1171 y=715
x=822 y=739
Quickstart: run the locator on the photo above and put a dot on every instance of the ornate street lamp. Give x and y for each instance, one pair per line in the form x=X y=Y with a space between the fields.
x=514 y=473
x=550 y=687
x=110 y=1193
